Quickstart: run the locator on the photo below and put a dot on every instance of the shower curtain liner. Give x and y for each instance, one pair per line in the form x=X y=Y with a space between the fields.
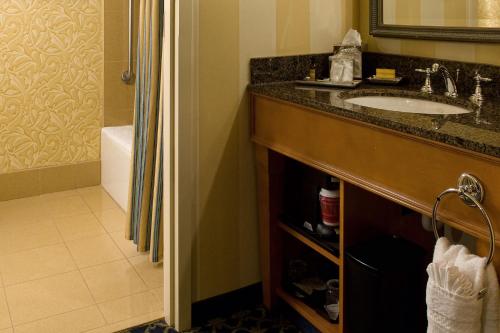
x=145 y=224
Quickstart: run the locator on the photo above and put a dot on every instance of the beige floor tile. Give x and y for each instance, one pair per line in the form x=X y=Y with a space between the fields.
x=128 y=248
x=131 y=322
x=67 y=206
x=75 y=322
x=7 y=330
x=16 y=238
x=47 y=297
x=159 y=294
x=129 y=307
x=94 y=251
x=99 y=200
x=22 y=211
x=151 y=274
x=35 y=264
x=28 y=201
x=79 y=226
x=89 y=189
x=4 y=311
x=112 y=219
x=56 y=195
x=113 y=280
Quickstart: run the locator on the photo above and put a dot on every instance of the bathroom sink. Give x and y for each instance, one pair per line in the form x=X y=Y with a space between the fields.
x=407 y=105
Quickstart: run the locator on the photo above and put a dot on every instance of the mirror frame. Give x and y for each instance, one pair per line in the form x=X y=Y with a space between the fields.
x=465 y=34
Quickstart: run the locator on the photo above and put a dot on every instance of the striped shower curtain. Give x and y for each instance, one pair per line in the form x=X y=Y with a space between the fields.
x=145 y=225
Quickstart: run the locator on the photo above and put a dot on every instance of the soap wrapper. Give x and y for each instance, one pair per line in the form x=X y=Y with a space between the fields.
x=351 y=49
x=342 y=70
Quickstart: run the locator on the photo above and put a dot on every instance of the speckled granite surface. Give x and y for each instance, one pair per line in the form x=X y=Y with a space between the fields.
x=406 y=65
x=477 y=131
x=290 y=68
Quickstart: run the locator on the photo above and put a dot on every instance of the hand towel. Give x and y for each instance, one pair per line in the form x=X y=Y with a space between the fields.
x=452 y=303
x=459 y=255
x=491 y=309
x=455 y=279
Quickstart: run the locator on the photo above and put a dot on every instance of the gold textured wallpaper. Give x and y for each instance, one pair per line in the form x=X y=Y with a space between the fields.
x=51 y=82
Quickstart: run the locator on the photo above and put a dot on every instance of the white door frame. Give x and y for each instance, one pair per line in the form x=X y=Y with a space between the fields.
x=181 y=157
x=167 y=92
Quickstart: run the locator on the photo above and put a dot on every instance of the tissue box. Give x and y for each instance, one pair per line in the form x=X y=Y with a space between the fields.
x=342 y=70
x=361 y=48
x=353 y=52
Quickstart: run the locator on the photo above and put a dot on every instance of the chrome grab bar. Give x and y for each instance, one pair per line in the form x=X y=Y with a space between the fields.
x=127 y=75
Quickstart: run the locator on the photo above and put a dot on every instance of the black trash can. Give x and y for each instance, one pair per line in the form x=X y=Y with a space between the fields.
x=385 y=281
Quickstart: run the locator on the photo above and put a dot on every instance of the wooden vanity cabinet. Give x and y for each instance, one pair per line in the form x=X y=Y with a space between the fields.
x=381 y=171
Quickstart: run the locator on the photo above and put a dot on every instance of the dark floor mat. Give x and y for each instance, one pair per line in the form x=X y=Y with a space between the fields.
x=251 y=321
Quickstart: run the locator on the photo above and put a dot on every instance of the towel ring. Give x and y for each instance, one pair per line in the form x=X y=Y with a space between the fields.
x=472 y=199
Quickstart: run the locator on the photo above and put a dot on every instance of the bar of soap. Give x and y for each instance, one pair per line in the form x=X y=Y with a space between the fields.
x=385 y=73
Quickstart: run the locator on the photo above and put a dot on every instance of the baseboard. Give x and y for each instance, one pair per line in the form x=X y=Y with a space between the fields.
x=28 y=183
x=226 y=304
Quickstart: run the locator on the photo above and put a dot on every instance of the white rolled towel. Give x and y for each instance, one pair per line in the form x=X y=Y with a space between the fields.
x=456 y=278
x=491 y=308
x=452 y=303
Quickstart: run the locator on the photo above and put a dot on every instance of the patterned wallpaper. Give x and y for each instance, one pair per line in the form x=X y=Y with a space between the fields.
x=51 y=82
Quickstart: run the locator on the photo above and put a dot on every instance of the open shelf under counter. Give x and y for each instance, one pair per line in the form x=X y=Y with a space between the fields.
x=312 y=242
x=308 y=313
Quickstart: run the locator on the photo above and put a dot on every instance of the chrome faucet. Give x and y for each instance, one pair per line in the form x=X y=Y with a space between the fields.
x=478 y=98
x=451 y=84
x=427 y=87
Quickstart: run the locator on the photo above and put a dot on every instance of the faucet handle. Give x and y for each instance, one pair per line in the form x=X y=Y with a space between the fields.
x=426 y=88
x=435 y=67
x=477 y=97
x=480 y=79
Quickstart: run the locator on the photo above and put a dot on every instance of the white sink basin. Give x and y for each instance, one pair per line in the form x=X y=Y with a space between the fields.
x=408 y=105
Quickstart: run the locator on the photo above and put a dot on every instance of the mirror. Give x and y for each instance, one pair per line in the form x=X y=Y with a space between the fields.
x=462 y=20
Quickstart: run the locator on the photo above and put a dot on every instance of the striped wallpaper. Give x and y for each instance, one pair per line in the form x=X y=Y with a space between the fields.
x=230 y=33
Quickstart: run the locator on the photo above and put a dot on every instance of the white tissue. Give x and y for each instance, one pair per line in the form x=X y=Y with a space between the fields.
x=352 y=38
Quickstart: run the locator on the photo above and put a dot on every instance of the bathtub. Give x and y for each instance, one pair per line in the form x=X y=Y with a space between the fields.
x=116 y=155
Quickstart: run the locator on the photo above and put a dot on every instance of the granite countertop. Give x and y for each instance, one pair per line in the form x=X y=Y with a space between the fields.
x=478 y=131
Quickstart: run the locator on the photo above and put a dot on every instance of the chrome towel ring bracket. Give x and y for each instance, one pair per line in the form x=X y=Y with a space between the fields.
x=471 y=191
x=472 y=186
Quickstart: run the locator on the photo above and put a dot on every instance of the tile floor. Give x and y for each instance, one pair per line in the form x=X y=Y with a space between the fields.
x=66 y=267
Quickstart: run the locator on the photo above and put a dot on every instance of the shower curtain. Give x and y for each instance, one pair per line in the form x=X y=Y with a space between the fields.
x=145 y=224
